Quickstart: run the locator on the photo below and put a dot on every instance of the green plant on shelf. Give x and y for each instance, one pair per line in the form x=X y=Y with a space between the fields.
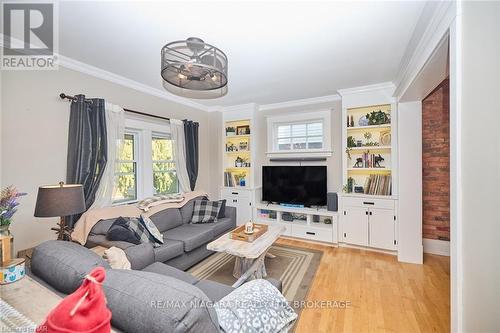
x=378 y=118
x=349 y=186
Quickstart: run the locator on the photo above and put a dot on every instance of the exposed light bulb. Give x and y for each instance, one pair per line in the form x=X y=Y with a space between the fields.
x=182 y=76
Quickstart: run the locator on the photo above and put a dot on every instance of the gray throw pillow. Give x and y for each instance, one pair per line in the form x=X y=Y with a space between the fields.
x=205 y=211
x=256 y=306
x=152 y=229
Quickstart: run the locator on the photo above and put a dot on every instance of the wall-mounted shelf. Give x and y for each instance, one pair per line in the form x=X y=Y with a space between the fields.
x=370 y=127
x=370 y=148
x=370 y=169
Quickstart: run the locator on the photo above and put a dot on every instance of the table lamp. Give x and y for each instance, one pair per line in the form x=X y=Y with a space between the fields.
x=59 y=201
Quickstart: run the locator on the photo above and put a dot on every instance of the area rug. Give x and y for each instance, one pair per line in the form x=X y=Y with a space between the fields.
x=294 y=266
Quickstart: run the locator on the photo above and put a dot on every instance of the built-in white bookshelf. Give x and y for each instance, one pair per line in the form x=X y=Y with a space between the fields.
x=369 y=150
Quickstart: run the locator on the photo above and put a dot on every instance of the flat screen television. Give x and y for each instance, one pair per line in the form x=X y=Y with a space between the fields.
x=299 y=185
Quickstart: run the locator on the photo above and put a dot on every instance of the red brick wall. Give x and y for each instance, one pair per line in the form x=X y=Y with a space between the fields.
x=435 y=163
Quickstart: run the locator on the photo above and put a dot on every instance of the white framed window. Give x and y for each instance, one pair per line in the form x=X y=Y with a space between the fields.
x=126 y=169
x=165 y=179
x=299 y=134
x=146 y=165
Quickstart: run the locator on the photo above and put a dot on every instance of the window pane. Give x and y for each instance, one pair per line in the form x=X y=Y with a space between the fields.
x=284 y=131
x=284 y=144
x=127 y=148
x=315 y=129
x=125 y=167
x=299 y=143
x=125 y=189
x=298 y=130
x=165 y=182
x=163 y=166
x=315 y=142
x=162 y=149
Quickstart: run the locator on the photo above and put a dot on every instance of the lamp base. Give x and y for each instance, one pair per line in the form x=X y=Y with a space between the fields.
x=63 y=232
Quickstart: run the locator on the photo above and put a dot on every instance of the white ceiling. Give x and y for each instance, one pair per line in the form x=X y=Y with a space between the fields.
x=278 y=51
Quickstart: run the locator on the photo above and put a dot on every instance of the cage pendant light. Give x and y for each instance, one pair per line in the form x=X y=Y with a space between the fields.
x=193 y=64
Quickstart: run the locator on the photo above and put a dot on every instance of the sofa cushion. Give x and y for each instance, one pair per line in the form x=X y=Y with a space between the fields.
x=192 y=236
x=223 y=225
x=121 y=230
x=149 y=302
x=64 y=265
x=102 y=227
x=168 y=250
x=166 y=270
x=95 y=240
x=214 y=290
x=187 y=209
x=167 y=219
x=222 y=210
x=205 y=211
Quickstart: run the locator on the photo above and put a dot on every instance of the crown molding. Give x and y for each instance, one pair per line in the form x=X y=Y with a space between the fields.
x=431 y=28
x=300 y=102
x=368 y=88
x=84 y=68
x=121 y=80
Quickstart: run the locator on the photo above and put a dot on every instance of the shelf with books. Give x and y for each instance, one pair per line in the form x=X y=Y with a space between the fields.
x=237 y=153
x=369 y=149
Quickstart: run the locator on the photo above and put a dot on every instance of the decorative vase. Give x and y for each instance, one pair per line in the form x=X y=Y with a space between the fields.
x=4 y=230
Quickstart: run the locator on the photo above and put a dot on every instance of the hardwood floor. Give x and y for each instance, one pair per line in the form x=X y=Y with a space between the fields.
x=385 y=295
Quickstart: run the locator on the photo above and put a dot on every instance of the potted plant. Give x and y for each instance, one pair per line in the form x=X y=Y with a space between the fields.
x=8 y=202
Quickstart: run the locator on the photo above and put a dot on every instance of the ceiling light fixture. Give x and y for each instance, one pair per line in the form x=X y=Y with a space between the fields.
x=193 y=64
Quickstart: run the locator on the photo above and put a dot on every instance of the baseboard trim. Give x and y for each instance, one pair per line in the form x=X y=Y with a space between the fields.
x=436 y=246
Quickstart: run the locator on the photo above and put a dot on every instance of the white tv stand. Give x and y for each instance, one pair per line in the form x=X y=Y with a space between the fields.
x=305 y=227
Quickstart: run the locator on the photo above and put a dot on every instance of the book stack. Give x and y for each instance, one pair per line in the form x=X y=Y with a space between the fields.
x=378 y=185
x=229 y=179
x=368 y=160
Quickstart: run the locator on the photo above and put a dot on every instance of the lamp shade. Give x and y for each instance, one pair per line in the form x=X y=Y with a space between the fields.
x=59 y=200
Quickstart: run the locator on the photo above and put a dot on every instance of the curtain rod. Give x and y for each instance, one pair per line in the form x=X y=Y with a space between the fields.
x=73 y=98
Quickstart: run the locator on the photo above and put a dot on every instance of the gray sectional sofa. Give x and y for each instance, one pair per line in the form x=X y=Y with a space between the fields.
x=185 y=243
x=158 y=298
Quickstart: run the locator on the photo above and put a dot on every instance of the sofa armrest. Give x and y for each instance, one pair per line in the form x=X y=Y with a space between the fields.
x=231 y=213
x=140 y=255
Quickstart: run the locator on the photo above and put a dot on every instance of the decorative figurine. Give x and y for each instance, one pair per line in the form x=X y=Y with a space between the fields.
x=359 y=162
x=377 y=161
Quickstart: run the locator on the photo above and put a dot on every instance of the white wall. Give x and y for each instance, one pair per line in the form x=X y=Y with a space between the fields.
x=478 y=87
x=333 y=163
x=34 y=135
x=410 y=182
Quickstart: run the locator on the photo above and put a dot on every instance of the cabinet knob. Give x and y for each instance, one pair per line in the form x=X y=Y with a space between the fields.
x=234 y=200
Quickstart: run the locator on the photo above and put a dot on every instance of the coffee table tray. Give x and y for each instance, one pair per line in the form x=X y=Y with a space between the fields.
x=240 y=234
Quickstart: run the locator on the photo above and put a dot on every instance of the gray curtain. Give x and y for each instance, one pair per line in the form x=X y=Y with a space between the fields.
x=87 y=147
x=191 y=135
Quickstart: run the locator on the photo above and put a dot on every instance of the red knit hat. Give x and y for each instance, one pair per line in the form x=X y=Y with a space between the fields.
x=84 y=310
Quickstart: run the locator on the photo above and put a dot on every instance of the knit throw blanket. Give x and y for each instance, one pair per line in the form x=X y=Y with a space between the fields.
x=91 y=217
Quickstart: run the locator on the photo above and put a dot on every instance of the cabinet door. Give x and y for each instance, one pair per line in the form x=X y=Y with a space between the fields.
x=243 y=209
x=355 y=226
x=382 y=231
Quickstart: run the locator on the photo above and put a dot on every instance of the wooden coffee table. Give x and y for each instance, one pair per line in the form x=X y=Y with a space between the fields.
x=249 y=256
